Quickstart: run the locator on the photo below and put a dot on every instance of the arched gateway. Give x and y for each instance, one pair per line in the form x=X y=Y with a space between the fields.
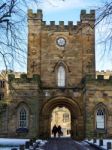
x=77 y=125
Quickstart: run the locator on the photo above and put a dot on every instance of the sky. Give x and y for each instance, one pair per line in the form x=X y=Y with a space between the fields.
x=69 y=10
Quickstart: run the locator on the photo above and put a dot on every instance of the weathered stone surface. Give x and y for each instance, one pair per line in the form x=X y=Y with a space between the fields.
x=38 y=91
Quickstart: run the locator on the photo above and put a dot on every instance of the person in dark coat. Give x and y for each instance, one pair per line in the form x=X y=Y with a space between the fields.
x=59 y=131
x=54 y=130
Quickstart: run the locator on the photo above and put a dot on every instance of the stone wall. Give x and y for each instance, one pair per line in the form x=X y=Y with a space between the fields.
x=23 y=91
x=44 y=55
x=98 y=93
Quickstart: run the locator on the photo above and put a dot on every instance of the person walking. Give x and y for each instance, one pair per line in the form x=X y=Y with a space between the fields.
x=54 y=130
x=59 y=131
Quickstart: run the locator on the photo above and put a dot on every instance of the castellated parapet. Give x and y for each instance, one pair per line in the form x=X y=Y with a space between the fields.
x=85 y=18
x=37 y=15
x=106 y=73
x=24 y=79
x=44 y=50
x=99 y=81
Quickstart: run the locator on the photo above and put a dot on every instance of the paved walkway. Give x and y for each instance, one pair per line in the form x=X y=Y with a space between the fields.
x=67 y=144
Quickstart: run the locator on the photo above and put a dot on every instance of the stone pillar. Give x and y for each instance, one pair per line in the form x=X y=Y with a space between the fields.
x=101 y=142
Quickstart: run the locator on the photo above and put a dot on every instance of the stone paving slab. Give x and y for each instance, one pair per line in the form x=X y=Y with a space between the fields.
x=67 y=144
x=94 y=145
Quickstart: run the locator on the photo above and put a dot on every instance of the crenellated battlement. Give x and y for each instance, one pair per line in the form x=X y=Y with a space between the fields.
x=38 y=15
x=61 y=23
x=24 y=79
x=85 y=18
x=100 y=79
x=59 y=27
x=106 y=73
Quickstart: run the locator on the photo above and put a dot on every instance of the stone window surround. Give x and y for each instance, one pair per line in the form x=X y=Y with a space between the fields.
x=100 y=118
x=61 y=63
x=18 y=116
x=101 y=105
x=61 y=76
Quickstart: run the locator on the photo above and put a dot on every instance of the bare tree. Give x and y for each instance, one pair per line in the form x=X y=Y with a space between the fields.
x=13 y=29
x=104 y=23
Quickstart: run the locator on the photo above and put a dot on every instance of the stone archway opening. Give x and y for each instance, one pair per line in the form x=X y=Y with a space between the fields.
x=77 y=121
x=61 y=116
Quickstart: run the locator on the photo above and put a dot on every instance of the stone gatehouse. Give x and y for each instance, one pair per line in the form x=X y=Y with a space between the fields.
x=60 y=73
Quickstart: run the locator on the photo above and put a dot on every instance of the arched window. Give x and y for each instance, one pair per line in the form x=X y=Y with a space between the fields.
x=100 y=118
x=61 y=76
x=23 y=118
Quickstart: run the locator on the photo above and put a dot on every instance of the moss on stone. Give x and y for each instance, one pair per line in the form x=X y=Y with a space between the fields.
x=24 y=79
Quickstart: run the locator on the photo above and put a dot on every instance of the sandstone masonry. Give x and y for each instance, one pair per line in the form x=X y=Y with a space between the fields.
x=60 y=73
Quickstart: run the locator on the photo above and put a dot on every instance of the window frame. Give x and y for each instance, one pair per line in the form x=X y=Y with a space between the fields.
x=61 y=80
x=102 y=110
x=19 y=120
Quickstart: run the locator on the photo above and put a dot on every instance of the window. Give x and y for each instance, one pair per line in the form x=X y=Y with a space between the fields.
x=2 y=83
x=100 y=119
x=61 y=76
x=23 y=118
x=65 y=117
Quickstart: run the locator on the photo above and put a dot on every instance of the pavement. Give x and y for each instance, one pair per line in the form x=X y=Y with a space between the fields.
x=67 y=144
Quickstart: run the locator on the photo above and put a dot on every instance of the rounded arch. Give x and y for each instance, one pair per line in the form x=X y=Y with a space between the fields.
x=71 y=105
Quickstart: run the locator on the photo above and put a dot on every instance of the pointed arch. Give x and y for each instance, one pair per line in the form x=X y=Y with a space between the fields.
x=61 y=71
x=70 y=104
x=61 y=76
x=61 y=63
x=22 y=116
x=100 y=116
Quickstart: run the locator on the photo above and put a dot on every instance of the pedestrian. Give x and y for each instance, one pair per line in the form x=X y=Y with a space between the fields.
x=54 y=130
x=59 y=131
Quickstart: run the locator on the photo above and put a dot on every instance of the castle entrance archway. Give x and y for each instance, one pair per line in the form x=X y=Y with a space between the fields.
x=77 y=122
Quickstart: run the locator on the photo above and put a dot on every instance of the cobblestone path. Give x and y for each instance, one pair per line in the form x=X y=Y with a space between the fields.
x=67 y=144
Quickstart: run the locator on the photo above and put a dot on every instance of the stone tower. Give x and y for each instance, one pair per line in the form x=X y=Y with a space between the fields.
x=69 y=48
x=76 y=52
